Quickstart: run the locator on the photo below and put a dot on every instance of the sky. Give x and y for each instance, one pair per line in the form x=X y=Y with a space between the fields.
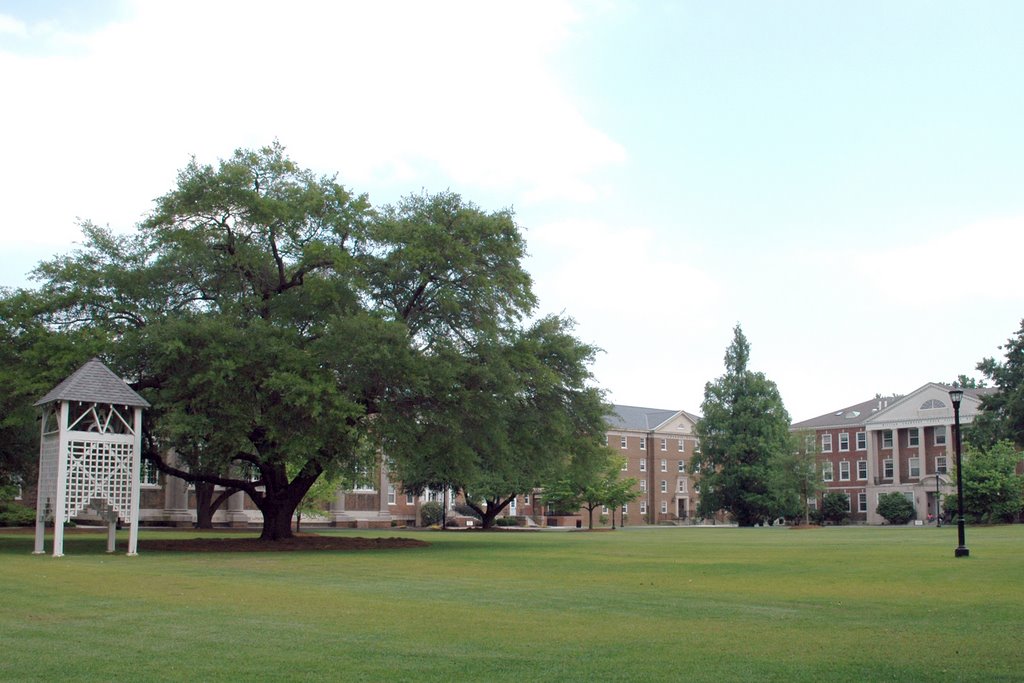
x=843 y=180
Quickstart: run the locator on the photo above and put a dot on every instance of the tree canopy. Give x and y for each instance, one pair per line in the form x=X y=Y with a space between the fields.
x=282 y=328
x=993 y=489
x=745 y=440
x=1002 y=411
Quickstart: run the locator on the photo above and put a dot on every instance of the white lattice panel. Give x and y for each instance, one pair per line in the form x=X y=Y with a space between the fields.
x=48 y=455
x=99 y=468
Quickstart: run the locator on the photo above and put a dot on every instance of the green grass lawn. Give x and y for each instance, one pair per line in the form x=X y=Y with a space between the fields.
x=866 y=604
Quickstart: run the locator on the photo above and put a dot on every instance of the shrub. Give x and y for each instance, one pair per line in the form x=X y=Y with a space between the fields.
x=507 y=521
x=430 y=513
x=835 y=507
x=13 y=514
x=895 y=508
x=466 y=511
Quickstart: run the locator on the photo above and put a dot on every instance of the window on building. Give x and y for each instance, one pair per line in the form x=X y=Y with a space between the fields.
x=643 y=465
x=914 y=465
x=849 y=503
x=932 y=404
x=605 y=439
x=696 y=467
x=844 y=441
x=680 y=486
x=604 y=509
x=940 y=464
x=391 y=494
x=913 y=437
x=149 y=475
x=643 y=443
x=862 y=441
x=643 y=507
x=887 y=468
x=512 y=507
x=664 y=444
x=682 y=466
x=409 y=499
x=696 y=446
x=809 y=443
x=844 y=470
x=625 y=465
x=887 y=438
x=622 y=442
x=826 y=443
x=643 y=484
x=625 y=509
x=682 y=446
x=664 y=507
x=862 y=502
x=664 y=465
x=939 y=435
x=526 y=499
x=826 y=470
x=664 y=485
x=862 y=469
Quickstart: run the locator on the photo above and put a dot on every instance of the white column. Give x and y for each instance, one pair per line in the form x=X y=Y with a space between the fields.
x=62 y=482
x=133 y=532
x=896 y=479
x=40 y=493
x=111 y=534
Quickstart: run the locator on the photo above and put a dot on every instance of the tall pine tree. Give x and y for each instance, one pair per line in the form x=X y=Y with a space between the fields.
x=745 y=441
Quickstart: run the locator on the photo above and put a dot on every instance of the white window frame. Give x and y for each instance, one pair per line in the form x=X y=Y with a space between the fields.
x=623 y=443
x=862 y=441
x=643 y=485
x=410 y=499
x=664 y=507
x=844 y=470
x=681 y=485
x=682 y=446
x=941 y=464
x=862 y=470
x=392 y=499
x=887 y=438
x=862 y=501
x=625 y=465
x=913 y=437
x=149 y=476
x=664 y=465
x=914 y=468
x=664 y=485
x=844 y=442
x=937 y=431
x=643 y=465
x=826 y=442
x=827 y=471
x=664 y=444
x=643 y=443
x=888 y=465
x=682 y=466
x=643 y=507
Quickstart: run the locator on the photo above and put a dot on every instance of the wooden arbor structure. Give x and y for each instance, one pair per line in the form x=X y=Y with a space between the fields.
x=89 y=454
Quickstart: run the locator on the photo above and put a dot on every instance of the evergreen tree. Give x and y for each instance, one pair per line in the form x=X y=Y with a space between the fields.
x=1002 y=412
x=745 y=442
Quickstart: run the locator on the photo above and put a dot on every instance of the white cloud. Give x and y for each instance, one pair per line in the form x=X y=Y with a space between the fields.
x=389 y=91
x=12 y=26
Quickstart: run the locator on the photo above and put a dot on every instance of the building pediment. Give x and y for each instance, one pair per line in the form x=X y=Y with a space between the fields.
x=925 y=406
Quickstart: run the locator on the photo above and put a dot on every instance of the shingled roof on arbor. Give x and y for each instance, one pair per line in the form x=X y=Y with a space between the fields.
x=96 y=383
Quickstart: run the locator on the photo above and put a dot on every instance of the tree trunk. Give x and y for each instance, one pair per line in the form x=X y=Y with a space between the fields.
x=204 y=505
x=278 y=506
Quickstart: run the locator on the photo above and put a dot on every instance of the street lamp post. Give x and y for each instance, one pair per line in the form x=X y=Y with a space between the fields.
x=957 y=395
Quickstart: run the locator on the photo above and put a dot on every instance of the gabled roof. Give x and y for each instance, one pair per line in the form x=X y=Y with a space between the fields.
x=96 y=383
x=850 y=415
x=642 y=419
x=859 y=414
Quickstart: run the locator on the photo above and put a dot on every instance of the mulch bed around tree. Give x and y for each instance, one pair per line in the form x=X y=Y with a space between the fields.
x=255 y=545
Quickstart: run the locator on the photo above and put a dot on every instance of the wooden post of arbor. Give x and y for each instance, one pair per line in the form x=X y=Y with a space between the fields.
x=89 y=454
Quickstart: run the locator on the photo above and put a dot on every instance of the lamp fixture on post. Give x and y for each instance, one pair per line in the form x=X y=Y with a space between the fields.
x=957 y=395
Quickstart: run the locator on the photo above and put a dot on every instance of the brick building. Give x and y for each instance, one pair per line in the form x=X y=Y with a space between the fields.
x=900 y=444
